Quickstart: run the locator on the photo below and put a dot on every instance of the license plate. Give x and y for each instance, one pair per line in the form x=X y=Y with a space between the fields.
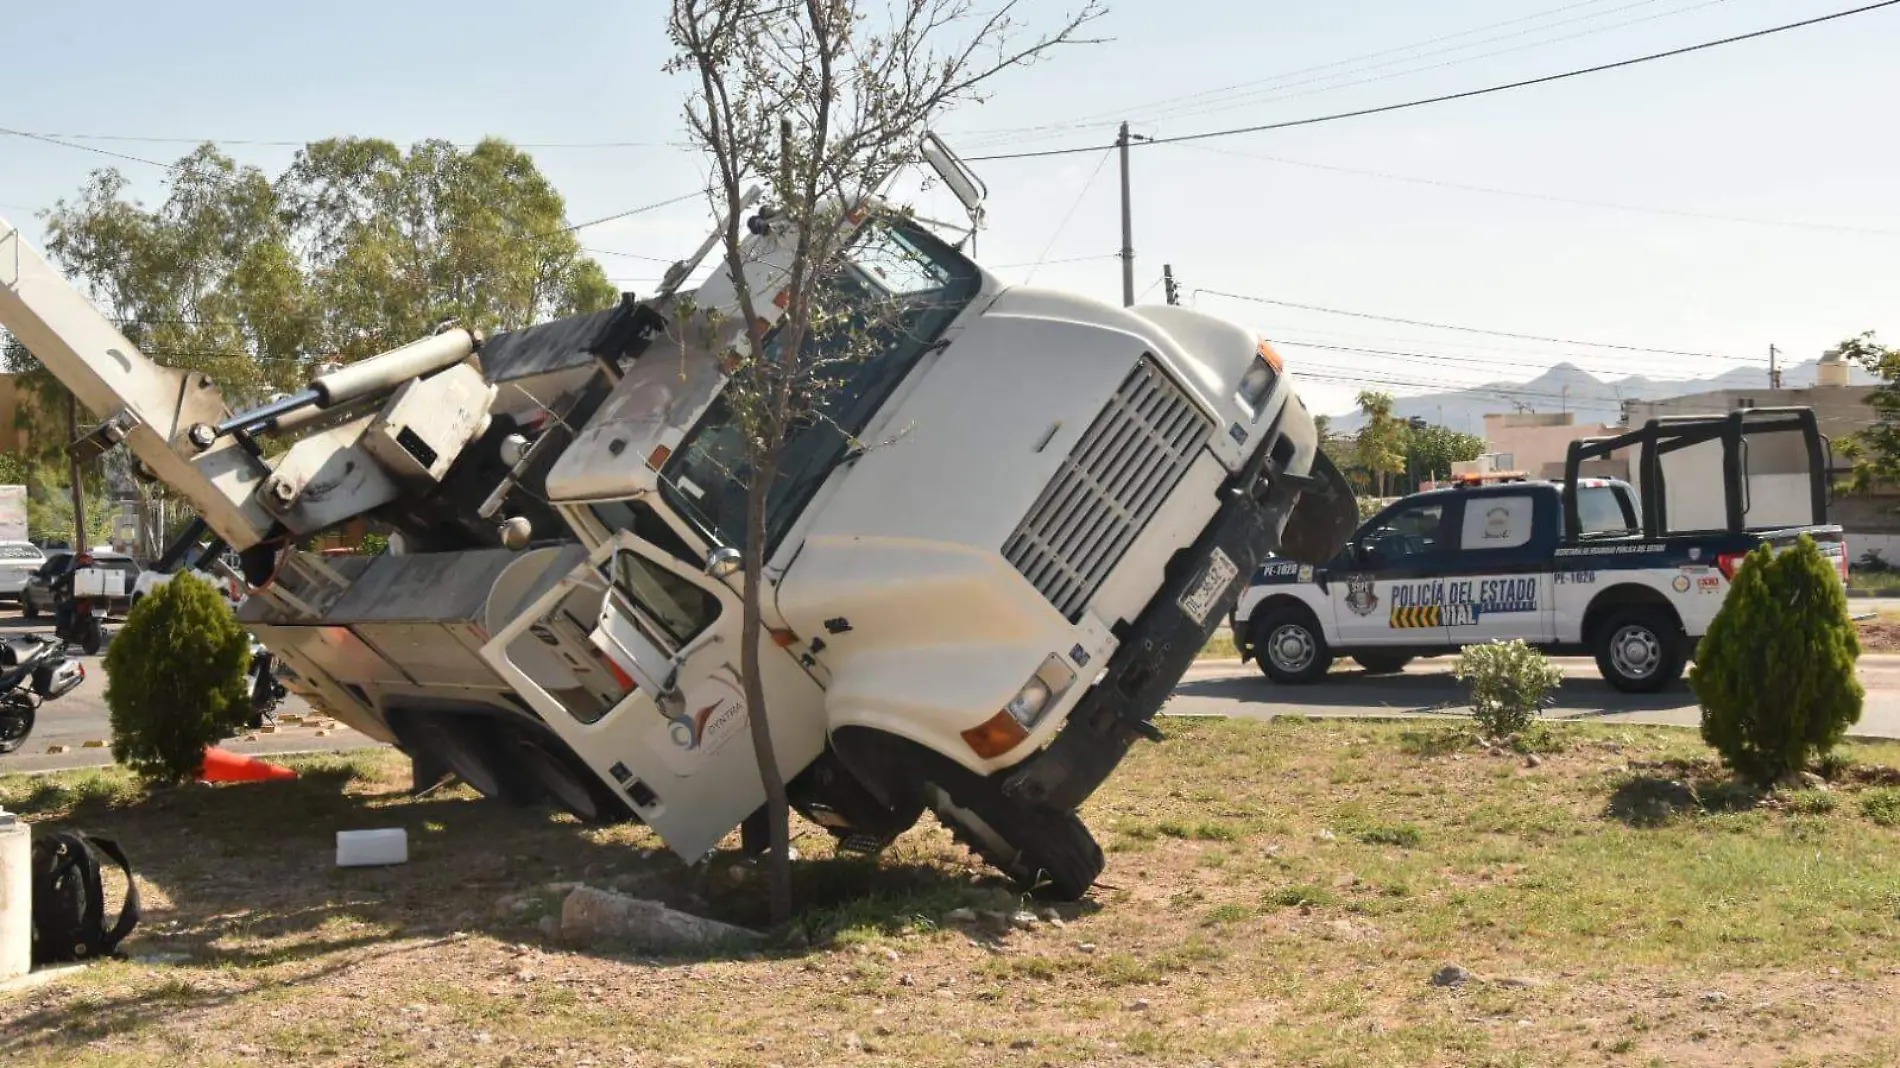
x=1200 y=600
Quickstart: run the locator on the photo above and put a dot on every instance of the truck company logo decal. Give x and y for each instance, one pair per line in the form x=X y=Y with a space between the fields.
x=1680 y=583
x=1359 y=595
x=705 y=727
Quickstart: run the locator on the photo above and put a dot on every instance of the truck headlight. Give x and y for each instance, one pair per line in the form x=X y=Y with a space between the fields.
x=1027 y=706
x=1010 y=727
x=1255 y=384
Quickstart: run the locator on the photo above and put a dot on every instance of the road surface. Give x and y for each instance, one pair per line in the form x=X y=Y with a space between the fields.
x=1212 y=688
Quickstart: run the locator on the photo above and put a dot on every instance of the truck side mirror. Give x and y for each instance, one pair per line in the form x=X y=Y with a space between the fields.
x=723 y=560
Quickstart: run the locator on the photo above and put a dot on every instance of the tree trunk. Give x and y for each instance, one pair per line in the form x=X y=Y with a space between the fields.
x=79 y=485
x=777 y=808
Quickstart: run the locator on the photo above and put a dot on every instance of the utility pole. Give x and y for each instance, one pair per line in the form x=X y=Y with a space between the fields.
x=1774 y=369
x=1128 y=226
x=79 y=486
x=1167 y=283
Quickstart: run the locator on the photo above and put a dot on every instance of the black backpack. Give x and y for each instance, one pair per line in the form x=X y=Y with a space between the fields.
x=69 y=898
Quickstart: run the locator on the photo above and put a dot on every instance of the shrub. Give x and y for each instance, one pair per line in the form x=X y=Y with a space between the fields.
x=176 y=679
x=1509 y=681
x=1882 y=805
x=1775 y=673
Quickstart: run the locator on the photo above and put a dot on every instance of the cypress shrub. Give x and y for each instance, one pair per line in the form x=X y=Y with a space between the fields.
x=177 y=680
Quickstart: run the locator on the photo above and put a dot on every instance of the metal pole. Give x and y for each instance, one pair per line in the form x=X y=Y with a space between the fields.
x=1167 y=283
x=79 y=487
x=1128 y=227
x=1774 y=372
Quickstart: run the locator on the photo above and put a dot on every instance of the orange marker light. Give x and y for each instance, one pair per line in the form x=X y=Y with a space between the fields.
x=784 y=639
x=658 y=457
x=996 y=736
x=1268 y=354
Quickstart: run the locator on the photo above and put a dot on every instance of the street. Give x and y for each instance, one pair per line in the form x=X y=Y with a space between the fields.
x=1212 y=688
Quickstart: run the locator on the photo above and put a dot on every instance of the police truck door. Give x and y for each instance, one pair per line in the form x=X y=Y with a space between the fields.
x=1385 y=598
x=1498 y=584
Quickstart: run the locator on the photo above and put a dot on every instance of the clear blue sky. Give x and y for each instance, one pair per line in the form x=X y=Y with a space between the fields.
x=1792 y=128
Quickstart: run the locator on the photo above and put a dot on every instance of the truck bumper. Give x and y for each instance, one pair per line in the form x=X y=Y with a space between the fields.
x=1164 y=640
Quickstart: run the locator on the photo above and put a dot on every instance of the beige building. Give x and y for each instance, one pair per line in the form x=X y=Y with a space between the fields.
x=1536 y=443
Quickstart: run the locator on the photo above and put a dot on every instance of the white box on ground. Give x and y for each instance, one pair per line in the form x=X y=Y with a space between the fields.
x=16 y=897
x=364 y=849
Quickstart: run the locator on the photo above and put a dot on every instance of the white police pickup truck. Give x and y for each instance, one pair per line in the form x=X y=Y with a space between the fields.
x=1453 y=567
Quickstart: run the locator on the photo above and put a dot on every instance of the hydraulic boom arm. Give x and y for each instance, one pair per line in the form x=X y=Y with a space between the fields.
x=180 y=427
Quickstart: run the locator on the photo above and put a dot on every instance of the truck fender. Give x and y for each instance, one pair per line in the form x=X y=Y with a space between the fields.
x=1272 y=603
x=1623 y=595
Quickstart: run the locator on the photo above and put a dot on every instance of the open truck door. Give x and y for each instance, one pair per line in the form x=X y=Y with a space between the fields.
x=677 y=743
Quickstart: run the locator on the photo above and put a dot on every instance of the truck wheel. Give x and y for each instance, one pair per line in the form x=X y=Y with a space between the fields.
x=1639 y=650
x=1291 y=648
x=586 y=799
x=1047 y=853
x=28 y=609
x=1382 y=664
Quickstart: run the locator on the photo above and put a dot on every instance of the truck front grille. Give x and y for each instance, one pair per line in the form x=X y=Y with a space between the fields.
x=1105 y=491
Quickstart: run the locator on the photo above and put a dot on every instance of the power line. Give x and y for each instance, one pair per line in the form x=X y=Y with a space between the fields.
x=1548 y=198
x=256 y=143
x=1478 y=362
x=1475 y=329
x=1139 y=110
x=1051 y=263
x=1066 y=216
x=1446 y=97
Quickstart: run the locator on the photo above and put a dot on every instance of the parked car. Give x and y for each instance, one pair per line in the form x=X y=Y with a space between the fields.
x=18 y=561
x=37 y=597
x=151 y=578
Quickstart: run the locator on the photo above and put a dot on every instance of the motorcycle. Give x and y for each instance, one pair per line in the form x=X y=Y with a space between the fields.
x=267 y=692
x=33 y=670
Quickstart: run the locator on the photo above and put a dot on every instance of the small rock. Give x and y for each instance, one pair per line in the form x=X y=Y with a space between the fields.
x=55 y=750
x=1023 y=921
x=1533 y=761
x=1451 y=975
x=1049 y=915
x=852 y=1041
x=964 y=915
x=1520 y=982
x=891 y=955
x=1714 y=997
x=1085 y=947
x=906 y=979
x=883 y=1031
x=945 y=992
x=1138 y=1005
x=550 y=926
x=1375 y=1027
x=1326 y=836
x=483 y=1038
x=1023 y=1043
x=1812 y=781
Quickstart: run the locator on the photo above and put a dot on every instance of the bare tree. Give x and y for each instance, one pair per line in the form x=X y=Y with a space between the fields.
x=820 y=101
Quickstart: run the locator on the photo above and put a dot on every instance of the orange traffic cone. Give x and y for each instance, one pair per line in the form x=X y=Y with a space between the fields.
x=224 y=766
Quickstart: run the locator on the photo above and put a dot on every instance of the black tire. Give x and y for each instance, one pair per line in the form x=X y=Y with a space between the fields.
x=1290 y=647
x=1382 y=663
x=1640 y=650
x=92 y=638
x=1044 y=852
x=28 y=610
x=15 y=725
x=576 y=791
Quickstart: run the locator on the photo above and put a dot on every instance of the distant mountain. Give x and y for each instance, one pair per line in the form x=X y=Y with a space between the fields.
x=1565 y=387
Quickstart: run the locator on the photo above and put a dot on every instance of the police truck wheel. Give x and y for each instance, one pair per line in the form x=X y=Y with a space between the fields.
x=1290 y=647
x=1639 y=650
x=1044 y=852
x=28 y=609
x=1382 y=664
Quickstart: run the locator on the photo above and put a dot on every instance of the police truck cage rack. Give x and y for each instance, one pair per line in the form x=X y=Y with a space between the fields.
x=1658 y=438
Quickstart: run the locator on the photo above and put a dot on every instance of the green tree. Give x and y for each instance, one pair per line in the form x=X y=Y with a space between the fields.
x=357 y=247
x=1875 y=450
x=1380 y=444
x=1431 y=450
x=823 y=102
x=164 y=718
x=1775 y=672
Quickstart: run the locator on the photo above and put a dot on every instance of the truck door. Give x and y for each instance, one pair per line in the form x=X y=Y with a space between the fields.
x=1498 y=583
x=1387 y=596
x=678 y=746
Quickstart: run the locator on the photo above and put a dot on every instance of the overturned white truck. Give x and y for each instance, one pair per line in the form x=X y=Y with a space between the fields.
x=978 y=616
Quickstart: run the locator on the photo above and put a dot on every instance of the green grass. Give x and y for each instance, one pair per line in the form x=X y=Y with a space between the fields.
x=1276 y=893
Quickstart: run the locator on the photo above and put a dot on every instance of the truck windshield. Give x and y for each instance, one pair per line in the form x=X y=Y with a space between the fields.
x=896 y=292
